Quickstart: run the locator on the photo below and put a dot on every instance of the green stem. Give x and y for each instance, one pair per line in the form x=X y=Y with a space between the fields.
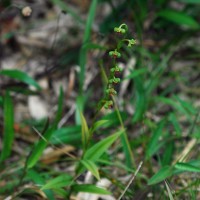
x=130 y=162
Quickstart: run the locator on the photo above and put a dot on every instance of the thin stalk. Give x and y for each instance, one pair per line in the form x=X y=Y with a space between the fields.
x=124 y=139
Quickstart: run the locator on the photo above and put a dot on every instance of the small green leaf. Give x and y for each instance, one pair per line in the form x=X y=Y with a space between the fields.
x=141 y=100
x=89 y=165
x=39 y=180
x=168 y=154
x=161 y=175
x=112 y=118
x=63 y=193
x=174 y=121
x=8 y=135
x=84 y=131
x=48 y=132
x=187 y=167
x=86 y=38
x=136 y=73
x=39 y=148
x=97 y=150
x=179 y=18
x=90 y=45
x=68 y=135
x=186 y=105
x=58 y=182
x=99 y=124
x=20 y=76
x=90 y=189
x=154 y=141
x=169 y=192
x=172 y=102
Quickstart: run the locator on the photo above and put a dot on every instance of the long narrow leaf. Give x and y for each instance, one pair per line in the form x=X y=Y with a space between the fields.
x=39 y=148
x=169 y=191
x=179 y=18
x=141 y=100
x=20 y=76
x=187 y=167
x=83 y=52
x=96 y=151
x=58 y=182
x=84 y=131
x=39 y=180
x=154 y=141
x=89 y=165
x=41 y=145
x=8 y=126
x=161 y=175
x=90 y=189
x=67 y=135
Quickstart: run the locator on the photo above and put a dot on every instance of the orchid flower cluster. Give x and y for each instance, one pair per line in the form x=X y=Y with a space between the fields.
x=115 y=71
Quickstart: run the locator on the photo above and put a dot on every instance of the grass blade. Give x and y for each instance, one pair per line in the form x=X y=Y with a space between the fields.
x=136 y=73
x=96 y=151
x=141 y=102
x=169 y=191
x=161 y=175
x=20 y=76
x=99 y=124
x=68 y=135
x=173 y=119
x=83 y=51
x=179 y=18
x=38 y=179
x=168 y=154
x=8 y=136
x=90 y=189
x=89 y=165
x=153 y=143
x=187 y=167
x=39 y=148
x=84 y=131
x=58 y=182
x=41 y=145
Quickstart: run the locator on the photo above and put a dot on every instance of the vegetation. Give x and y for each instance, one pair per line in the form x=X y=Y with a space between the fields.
x=134 y=132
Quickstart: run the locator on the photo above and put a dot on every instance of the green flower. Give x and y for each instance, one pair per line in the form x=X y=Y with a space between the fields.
x=114 y=80
x=115 y=54
x=121 y=29
x=108 y=104
x=116 y=69
x=131 y=42
x=111 y=91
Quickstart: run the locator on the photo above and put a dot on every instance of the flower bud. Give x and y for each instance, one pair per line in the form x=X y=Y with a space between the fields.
x=108 y=104
x=119 y=30
x=111 y=91
x=131 y=42
x=115 y=54
x=114 y=80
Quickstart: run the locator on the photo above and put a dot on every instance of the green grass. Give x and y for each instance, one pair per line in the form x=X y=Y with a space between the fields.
x=150 y=135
